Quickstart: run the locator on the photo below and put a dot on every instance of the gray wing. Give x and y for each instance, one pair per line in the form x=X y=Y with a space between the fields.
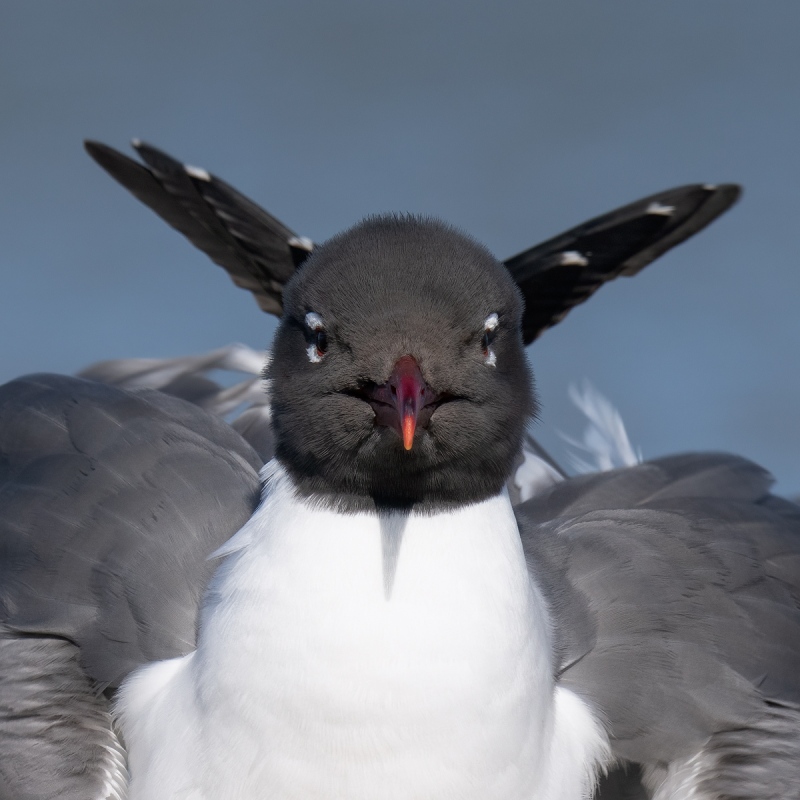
x=258 y=251
x=111 y=502
x=568 y=269
x=57 y=739
x=676 y=589
x=245 y=403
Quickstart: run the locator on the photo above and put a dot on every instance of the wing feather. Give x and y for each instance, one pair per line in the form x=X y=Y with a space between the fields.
x=260 y=253
x=676 y=590
x=112 y=501
x=568 y=269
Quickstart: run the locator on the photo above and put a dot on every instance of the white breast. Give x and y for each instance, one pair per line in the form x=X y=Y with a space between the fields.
x=364 y=656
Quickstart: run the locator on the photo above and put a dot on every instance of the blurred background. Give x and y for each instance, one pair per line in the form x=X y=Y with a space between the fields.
x=512 y=120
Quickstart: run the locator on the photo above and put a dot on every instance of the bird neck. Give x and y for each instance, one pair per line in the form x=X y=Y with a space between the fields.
x=399 y=561
x=420 y=634
x=361 y=655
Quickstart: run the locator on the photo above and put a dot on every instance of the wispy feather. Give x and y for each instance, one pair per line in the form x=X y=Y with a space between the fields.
x=605 y=444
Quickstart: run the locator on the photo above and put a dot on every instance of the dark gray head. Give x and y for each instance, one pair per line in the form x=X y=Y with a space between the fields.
x=398 y=370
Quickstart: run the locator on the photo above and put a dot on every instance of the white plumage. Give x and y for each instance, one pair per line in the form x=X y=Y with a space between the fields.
x=309 y=681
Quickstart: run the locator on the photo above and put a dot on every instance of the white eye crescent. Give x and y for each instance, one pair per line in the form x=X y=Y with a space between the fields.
x=319 y=340
x=490 y=325
x=314 y=321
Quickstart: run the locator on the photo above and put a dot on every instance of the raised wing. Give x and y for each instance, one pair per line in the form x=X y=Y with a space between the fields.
x=568 y=269
x=675 y=589
x=258 y=251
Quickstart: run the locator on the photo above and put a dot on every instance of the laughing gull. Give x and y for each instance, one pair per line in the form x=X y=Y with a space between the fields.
x=383 y=623
x=260 y=253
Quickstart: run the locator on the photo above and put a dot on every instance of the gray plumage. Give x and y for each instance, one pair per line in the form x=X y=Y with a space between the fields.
x=244 y=404
x=57 y=739
x=110 y=508
x=673 y=585
x=111 y=503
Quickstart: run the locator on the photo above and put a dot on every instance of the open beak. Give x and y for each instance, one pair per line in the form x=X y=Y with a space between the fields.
x=404 y=400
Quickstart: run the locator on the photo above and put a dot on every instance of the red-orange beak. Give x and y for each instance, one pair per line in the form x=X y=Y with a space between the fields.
x=409 y=390
x=403 y=399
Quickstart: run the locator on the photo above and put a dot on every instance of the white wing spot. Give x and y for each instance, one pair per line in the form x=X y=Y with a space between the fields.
x=572 y=258
x=710 y=187
x=197 y=172
x=658 y=208
x=303 y=242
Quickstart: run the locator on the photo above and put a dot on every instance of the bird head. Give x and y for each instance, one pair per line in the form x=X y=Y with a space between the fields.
x=398 y=374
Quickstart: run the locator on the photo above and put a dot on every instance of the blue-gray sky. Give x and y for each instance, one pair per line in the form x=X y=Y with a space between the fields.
x=512 y=120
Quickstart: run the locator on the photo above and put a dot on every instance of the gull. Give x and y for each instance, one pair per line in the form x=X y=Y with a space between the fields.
x=260 y=253
x=368 y=614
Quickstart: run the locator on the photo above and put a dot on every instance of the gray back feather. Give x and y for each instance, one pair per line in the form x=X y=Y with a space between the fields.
x=675 y=586
x=112 y=501
x=244 y=404
x=56 y=735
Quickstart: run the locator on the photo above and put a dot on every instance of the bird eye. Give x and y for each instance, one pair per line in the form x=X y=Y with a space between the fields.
x=318 y=345
x=490 y=326
x=321 y=343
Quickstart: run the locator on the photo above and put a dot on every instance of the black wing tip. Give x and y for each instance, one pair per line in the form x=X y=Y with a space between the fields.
x=111 y=160
x=106 y=155
x=720 y=197
x=728 y=193
x=735 y=188
x=724 y=188
x=694 y=206
x=141 y=146
x=144 y=148
x=216 y=218
x=98 y=150
x=92 y=146
x=728 y=187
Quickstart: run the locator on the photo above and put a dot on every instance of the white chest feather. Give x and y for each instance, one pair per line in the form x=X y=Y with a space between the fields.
x=363 y=656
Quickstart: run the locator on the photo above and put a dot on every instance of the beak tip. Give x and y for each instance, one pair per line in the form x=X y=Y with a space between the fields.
x=409 y=426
